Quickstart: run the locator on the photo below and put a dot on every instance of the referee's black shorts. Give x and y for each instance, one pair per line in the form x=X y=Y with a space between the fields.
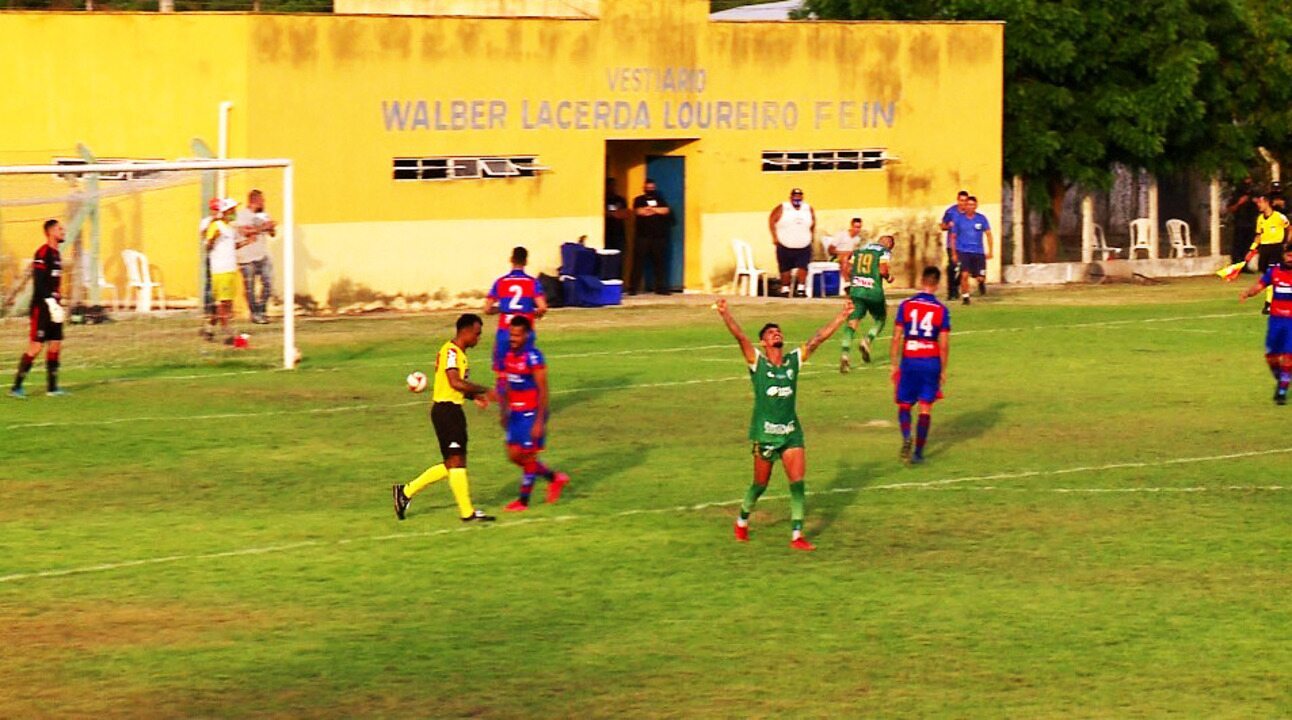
x=1268 y=254
x=450 y=425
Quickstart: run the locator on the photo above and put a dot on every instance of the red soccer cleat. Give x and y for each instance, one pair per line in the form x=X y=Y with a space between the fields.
x=558 y=484
x=742 y=533
x=802 y=544
x=516 y=506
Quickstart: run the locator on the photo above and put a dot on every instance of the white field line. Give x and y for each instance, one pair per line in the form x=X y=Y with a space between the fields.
x=629 y=387
x=356 y=408
x=925 y=486
x=696 y=348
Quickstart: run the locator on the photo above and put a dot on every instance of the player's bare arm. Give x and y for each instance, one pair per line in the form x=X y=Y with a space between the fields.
x=990 y=243
x=746 y=347
x=944 y=351
x=895 y=356
x=951 y=243
x=540 y=306
x=1252 y=291
x=824 y=333
x=491 y=306
x=540 y=379
x=886 y=272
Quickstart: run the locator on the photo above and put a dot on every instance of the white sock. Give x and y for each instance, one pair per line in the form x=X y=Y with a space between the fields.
x=797 y=534
x=742 y=522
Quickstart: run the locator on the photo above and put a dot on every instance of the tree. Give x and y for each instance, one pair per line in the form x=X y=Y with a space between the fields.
x=1158 y=84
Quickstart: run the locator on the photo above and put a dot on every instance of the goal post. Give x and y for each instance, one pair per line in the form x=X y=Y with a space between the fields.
x=92 y=171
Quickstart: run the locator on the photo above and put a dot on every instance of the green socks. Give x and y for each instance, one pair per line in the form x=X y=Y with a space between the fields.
x=751 y=498
x=798 y=504
x=875 y=330
x=848 y=333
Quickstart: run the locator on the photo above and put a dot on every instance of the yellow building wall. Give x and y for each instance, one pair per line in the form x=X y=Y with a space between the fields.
x=312 y=88
x=132 y=86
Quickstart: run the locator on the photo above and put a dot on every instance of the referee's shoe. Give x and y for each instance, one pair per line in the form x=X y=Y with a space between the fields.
x=479 y=516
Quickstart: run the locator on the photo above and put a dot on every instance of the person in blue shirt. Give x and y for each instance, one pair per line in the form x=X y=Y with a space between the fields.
x=971 y=247
x=953 y=273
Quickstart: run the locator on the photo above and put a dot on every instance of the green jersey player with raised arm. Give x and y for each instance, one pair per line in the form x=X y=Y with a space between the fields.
x=774 y=427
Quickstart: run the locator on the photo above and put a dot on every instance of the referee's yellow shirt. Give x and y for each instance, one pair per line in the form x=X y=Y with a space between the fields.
x=451 y=357
x=1270 y=230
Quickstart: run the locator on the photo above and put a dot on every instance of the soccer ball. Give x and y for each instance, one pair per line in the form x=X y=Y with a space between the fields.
x=416 y=382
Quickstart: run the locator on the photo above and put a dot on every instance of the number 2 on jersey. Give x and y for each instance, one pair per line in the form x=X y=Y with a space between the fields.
x=517 y=292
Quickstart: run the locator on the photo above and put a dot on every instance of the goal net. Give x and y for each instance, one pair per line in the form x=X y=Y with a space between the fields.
x=135 y=282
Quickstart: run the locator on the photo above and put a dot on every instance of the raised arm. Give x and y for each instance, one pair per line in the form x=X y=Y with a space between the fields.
x=746 y=347
x=824 y=333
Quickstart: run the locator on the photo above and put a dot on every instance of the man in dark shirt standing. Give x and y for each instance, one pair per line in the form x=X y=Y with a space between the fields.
x=1242 y=206
x=46 y=312
x=654 y=221
x=616 y=216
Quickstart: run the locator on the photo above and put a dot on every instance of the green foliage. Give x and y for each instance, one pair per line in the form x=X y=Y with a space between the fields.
x=1160 y=84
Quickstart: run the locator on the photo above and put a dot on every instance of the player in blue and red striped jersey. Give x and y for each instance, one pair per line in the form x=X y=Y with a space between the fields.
x=1278 y=336
x=516 y=294
x=921 y=341
x=527 y=411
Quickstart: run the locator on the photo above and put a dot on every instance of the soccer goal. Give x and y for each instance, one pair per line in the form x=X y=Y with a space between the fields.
x=136 y=273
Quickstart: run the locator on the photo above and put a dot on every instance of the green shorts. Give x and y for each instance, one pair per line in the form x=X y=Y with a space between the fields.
x=772 y=451
x=863 y=305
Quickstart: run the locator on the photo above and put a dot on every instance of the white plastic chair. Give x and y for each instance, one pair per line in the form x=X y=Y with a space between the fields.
x=1102 y=248
x=819 y=268
x=104 y=285
x=1140 y=237
x=140 y=281
x=1181 y=244
x=755 y=279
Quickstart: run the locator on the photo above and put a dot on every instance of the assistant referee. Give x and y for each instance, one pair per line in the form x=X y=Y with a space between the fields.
x=1271 y=233
x=450 y=391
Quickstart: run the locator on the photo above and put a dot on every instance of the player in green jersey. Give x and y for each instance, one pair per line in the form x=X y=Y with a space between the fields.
x=774 y=428
x=865 y=275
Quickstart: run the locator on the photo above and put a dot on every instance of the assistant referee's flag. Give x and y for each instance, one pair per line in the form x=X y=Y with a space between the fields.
x=1229 y=272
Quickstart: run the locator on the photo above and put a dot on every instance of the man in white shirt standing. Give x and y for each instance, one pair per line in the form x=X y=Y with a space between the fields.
x=842 y=244
x=792 y=225
x=220 y=239
x=255 y=227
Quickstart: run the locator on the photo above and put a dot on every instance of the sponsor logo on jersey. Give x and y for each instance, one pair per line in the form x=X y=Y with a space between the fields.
x=772 y=428
x=775 y=391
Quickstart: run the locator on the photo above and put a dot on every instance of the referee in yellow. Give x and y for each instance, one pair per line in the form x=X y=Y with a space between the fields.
x=1271 y=233
x=450 y=391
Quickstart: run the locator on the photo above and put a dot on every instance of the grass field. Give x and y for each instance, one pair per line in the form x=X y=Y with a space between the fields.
x=1103 y=529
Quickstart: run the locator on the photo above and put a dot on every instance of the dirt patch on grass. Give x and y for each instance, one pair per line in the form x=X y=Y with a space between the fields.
x=39 y=642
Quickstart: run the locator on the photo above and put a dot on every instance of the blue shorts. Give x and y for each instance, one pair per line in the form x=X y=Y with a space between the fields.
x=919 y=380
x=1278 y=338
x=520 y=426
x=502 y=343
x=973 y=263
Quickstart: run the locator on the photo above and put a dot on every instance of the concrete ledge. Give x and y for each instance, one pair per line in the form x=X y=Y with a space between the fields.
x=1060 y=273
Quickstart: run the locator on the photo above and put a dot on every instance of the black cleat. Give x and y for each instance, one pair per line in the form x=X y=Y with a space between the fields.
x=1265 y=310
x=982 y=289
x=964 y=299
x=401 y=500
x=479 y=516
x=864 y=347
x=917 y=459
x=1280 y=398
x=906 y=450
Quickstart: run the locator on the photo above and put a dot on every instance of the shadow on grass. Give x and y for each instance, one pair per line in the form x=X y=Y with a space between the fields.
x=842 y=492
x=586 y=472
x=566 y=398
x=965 y=426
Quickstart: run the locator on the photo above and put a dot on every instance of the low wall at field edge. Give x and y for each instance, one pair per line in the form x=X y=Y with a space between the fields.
x=1076 y=272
